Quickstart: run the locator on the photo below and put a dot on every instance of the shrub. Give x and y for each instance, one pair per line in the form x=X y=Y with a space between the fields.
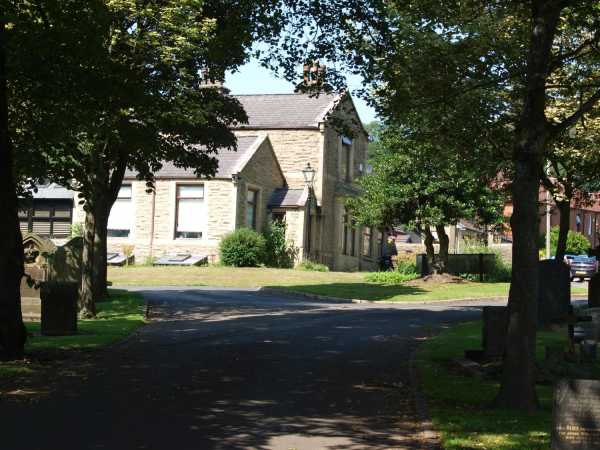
x=315 y=267
x=389 y=277
x=577 y=243
x=406 y=268
x=276 y=244
x=242 y=247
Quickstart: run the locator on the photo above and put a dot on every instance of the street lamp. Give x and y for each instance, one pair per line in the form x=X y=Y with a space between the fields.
x=309 y=174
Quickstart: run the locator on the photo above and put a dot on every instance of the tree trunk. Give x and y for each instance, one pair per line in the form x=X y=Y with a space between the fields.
x=517 y=391
x=106 y=186
x=13 y=333
x=563 y=232
x=444 y=244
x=431 y=265
x=87 y=309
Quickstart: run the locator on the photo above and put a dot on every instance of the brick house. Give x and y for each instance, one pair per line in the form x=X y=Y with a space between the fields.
x=262 y=181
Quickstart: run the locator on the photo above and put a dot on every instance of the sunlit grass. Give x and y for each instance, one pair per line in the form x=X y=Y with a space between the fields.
x=458 y=403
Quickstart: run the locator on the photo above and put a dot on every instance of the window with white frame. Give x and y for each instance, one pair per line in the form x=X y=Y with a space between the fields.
x=120 y=219
x=191 y=213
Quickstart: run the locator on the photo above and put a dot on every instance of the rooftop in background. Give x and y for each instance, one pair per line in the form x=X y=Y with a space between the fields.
x=53 y=191
x=254 y=79
x=286 y=110
x=229 y=161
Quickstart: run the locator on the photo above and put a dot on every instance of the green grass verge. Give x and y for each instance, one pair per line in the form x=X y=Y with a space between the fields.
x=349 y=285
x=457 y=403
x=117 y=316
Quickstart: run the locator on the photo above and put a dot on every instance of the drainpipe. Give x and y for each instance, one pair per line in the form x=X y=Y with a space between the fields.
x=152 y=218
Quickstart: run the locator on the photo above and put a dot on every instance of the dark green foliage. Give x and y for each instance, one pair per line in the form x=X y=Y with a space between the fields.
x=243 y=247
x=577 y=243
x=276 y=244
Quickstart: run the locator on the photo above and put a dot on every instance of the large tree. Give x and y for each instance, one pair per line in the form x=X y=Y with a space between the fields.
x=417 y=185
x=485 y=72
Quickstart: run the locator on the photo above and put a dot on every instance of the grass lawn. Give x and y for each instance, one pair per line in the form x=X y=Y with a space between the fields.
x=333 y=284
x=457 y=403
x=118 y=316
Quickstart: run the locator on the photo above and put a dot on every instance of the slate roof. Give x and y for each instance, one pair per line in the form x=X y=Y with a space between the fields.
x=282 y=198
x=53 y=191
x=286 y=111
x=229 y=161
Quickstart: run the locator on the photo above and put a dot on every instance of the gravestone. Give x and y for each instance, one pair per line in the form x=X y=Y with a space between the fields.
x=495 y=326
x=59 y=308
x=576 y=414
x=66 y=264
x=592 y=328
x=36 y=266
x=594 y=283
x=554 y=291
x=594 y=291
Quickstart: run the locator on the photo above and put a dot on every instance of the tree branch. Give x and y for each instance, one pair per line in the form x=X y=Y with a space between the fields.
x=586 y=107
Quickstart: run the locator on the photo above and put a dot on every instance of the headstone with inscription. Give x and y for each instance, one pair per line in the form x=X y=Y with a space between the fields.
x=66 y=264
x=495 y=325
x=36 y=267
x=554 y=295
x=576 y=414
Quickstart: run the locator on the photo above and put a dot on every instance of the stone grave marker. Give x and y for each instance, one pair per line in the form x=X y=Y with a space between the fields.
x=36 y=266
x=576 y=414
x=594 y=283
x=59 y=308
x=554 y=291
x=592 y=328
x=66 y=264
x=495 y=324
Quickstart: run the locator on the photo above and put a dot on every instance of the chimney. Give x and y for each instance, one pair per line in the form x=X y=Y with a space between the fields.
x=313 y=76
x=218 y=84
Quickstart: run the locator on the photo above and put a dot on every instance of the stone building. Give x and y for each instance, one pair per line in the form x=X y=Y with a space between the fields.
x=262 y=181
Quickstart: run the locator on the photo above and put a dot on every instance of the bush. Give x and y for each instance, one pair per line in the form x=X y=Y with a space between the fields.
x=406 y=268
x=315 y=267
x=577 y=243
x=276 y=244
x=242 y=247
x=389 y=277
x=76 y=230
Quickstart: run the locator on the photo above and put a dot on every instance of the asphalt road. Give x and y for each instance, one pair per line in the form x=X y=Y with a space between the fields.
x=221 y=368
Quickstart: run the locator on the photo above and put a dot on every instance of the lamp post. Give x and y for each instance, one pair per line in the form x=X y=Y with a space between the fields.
x=309 y=174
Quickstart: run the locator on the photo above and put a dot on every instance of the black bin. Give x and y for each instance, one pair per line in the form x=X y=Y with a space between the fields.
x=386 y=263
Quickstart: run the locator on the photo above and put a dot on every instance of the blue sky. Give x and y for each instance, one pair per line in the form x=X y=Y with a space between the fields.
x=253 y=79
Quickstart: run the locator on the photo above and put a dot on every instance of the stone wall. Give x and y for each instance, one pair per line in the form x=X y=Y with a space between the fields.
x=505 y=252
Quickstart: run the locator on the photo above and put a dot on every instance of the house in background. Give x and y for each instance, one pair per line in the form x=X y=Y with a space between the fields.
x=260 y=182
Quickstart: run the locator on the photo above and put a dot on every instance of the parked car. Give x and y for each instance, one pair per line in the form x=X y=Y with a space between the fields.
x=583 y=266
x=569 y=258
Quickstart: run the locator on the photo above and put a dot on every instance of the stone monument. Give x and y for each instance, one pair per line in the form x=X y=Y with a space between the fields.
x=495 y=327
x=36 y=266
x=576 y=414
x=66 y=264
x=554 y=291
x=59 y=308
